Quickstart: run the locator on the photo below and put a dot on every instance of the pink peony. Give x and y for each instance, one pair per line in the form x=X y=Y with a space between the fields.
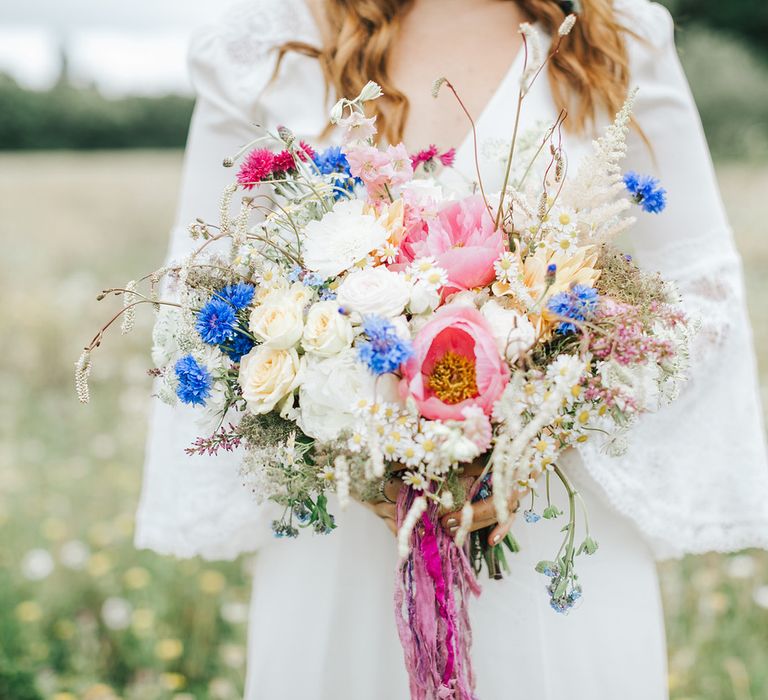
x=463 y=241
x=455 y=365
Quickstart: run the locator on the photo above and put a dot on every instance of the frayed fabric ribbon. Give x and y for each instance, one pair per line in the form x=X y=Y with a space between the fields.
x=431 y=607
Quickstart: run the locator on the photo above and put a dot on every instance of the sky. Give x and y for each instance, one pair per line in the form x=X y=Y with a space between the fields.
x=138 y=46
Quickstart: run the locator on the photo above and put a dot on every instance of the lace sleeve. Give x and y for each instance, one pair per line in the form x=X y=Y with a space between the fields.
x=695 y=476
x=198 y=505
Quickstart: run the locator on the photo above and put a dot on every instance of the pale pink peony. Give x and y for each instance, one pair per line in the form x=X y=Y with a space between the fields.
x=455 y=365
x=463 y=241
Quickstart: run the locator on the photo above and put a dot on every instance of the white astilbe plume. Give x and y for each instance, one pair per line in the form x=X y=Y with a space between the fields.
x=567 y=25
x=129 y=310
x=467 y=515
x=406 y=529
x=82 y=370
x=342 y=479
x=224 y=208
x=598 y=184
x=534 y=55
x=508 y=453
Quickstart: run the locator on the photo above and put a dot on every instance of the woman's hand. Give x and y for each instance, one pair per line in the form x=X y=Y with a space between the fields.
x=484 y=515
x=386 y=509
x=484 y=512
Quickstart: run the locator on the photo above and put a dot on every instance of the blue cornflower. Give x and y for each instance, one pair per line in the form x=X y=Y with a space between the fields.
x=216 y=322
x=646 y=192
x=239 y=295
x=578 y=303
x=194 y=381
x=327 y=294
x=239 y=345
x=332 y=160
x=384 y=350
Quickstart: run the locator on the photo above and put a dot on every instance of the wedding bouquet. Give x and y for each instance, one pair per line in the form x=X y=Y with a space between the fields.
x=356 y=318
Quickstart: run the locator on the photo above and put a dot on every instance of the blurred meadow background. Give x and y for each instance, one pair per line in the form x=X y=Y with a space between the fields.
x=88 y=180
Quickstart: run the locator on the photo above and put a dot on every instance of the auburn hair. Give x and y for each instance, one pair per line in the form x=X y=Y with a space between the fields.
x=589 y=74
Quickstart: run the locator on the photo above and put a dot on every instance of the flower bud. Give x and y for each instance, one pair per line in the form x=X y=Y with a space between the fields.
x=371 y=91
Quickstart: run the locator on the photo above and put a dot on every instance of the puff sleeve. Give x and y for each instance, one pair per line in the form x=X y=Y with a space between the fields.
x=197 y=505
x=695 y=477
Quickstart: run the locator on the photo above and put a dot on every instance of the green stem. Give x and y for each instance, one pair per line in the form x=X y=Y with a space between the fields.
x=570 y=539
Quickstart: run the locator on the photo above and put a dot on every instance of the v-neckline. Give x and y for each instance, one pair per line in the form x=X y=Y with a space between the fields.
x=498 y=94
x=501 y=91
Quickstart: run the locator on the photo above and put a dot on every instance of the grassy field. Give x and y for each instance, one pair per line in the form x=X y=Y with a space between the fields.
x=84 y=615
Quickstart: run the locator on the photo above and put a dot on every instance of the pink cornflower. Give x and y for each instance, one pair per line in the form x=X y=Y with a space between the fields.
x=423 y=156
x=305 y=152
x=258 y=166
x=283 y=162
x=448 y=157
x=427 y=157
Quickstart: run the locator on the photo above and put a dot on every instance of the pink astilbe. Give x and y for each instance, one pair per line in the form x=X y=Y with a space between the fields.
x=227 y=438
x=626 y=338
x=259 y=164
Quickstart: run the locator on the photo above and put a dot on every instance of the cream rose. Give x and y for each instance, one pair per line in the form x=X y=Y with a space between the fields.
x=268 y=375
x=326 y=332
x=513 y=332
x=279 y=323
x=329 y=388
x=375 y=291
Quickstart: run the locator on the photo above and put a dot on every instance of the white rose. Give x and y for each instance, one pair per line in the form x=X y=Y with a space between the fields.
x=375 y=291
x=326 y=332
x=279 y=322
x=424 y=297
x=299 y=294
x=268 y=375
x=513 y=332
x=343 y=237
x=329 y=388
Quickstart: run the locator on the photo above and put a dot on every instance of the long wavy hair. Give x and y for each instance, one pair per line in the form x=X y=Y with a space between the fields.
x=588 y=74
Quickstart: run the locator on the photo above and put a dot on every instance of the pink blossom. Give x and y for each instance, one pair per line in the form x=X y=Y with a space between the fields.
x=464 y=242
x=399 y=170
x=369 y=163
x=477 y=427
x=258 y=165
x=357 y=127
x=455 y=366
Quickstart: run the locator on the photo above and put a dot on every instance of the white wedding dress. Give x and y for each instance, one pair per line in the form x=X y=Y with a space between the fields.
x=694 y=478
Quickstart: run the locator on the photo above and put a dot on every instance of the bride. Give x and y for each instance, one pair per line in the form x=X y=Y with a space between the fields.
x=694 y=478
